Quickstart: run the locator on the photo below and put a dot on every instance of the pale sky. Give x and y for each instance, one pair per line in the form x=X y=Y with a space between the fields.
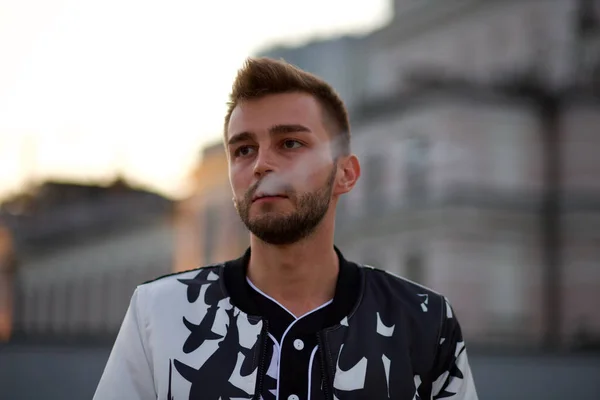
x=89 y=86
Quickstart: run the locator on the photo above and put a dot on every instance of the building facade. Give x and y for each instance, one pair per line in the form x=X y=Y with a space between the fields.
x=80 y=251
x=208 y=227
x=452 y=196
x=341 y=61
x=458 y=187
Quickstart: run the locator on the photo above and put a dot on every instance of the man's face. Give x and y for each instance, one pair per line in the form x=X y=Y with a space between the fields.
x=281 y=166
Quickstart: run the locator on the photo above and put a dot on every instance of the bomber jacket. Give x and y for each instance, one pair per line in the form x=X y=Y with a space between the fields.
x=198 y=335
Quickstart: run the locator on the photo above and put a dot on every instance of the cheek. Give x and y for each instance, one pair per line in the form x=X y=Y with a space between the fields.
x=309 y=168
x=311 y=178
x=238 y=180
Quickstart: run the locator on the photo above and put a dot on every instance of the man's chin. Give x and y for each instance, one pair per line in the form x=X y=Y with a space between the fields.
x=268 y=221
x=258 y=210
x=261 y=215
x=276 y=237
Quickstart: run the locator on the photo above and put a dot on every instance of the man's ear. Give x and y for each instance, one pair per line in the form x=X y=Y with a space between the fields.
x=347 y=174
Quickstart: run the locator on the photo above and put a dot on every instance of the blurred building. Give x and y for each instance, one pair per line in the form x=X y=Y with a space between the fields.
x=453 y=195
x=340 y=61
x=480 y=182
x=79 y=251
x=476 y=127
x=208 y=227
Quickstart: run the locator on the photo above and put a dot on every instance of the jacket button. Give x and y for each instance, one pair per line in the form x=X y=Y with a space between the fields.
x=298 y=344
x=293 y=397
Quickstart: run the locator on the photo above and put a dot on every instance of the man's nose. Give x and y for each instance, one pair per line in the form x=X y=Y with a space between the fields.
x=264 y=163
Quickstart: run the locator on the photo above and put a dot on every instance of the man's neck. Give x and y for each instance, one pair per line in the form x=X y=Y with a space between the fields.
x=301 y=276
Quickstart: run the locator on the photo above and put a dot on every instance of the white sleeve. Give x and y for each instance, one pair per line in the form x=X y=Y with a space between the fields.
x=128 y=372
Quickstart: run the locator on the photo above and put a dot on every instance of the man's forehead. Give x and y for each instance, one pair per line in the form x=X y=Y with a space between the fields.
x=259 y=115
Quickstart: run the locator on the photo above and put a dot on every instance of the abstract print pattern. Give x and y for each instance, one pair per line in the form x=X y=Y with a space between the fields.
x=455 y=382
x=269 y=390
x=373 y=369
x=367 y=370
x=417 y=387
x=229 y=370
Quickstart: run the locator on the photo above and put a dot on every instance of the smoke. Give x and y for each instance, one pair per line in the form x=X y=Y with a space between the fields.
x=317 y=160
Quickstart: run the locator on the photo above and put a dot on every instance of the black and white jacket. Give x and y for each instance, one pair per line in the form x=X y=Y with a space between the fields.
x=198 y=335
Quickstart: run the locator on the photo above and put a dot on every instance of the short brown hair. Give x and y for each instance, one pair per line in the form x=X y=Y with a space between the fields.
x=263 y=76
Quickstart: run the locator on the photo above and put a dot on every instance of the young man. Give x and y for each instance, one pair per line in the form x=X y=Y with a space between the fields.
x=292 y=318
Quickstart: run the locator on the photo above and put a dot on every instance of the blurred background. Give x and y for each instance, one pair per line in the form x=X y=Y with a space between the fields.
x=477 y=123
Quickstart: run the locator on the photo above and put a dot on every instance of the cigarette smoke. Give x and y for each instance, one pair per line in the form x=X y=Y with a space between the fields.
x=320 y=158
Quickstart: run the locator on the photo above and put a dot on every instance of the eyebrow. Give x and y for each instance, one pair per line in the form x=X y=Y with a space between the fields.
x=273 y=131
x=294 y=128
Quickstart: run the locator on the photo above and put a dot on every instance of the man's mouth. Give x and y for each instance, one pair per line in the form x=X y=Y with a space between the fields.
x=266 y=196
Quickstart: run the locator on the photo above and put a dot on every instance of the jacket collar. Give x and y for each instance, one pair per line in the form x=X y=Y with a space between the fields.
x=348 y=290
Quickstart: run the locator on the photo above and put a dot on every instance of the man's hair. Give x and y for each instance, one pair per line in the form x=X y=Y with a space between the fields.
x=264 y=76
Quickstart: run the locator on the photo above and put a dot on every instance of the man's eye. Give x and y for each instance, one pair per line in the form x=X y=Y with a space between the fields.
x=291 y=144
x=243 y=151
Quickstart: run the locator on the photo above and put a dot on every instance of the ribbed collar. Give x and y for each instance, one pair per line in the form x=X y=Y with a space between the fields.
x=348 y=290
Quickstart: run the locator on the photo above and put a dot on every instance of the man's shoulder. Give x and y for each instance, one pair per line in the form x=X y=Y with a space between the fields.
x=397 y=282
x=403 y=291
x=202 y=271
x=192 y=277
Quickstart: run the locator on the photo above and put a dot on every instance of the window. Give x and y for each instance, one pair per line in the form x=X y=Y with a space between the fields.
x=508 y=154
x=415 y=268
x=505 y=303
x=506 y=292
x=588 y=17
x=374 y=184
x=417 y=169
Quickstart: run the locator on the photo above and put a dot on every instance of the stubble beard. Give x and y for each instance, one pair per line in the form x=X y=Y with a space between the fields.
x=279 y=228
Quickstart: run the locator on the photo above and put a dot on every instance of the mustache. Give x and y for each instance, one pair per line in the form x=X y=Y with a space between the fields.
x=281 y=188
